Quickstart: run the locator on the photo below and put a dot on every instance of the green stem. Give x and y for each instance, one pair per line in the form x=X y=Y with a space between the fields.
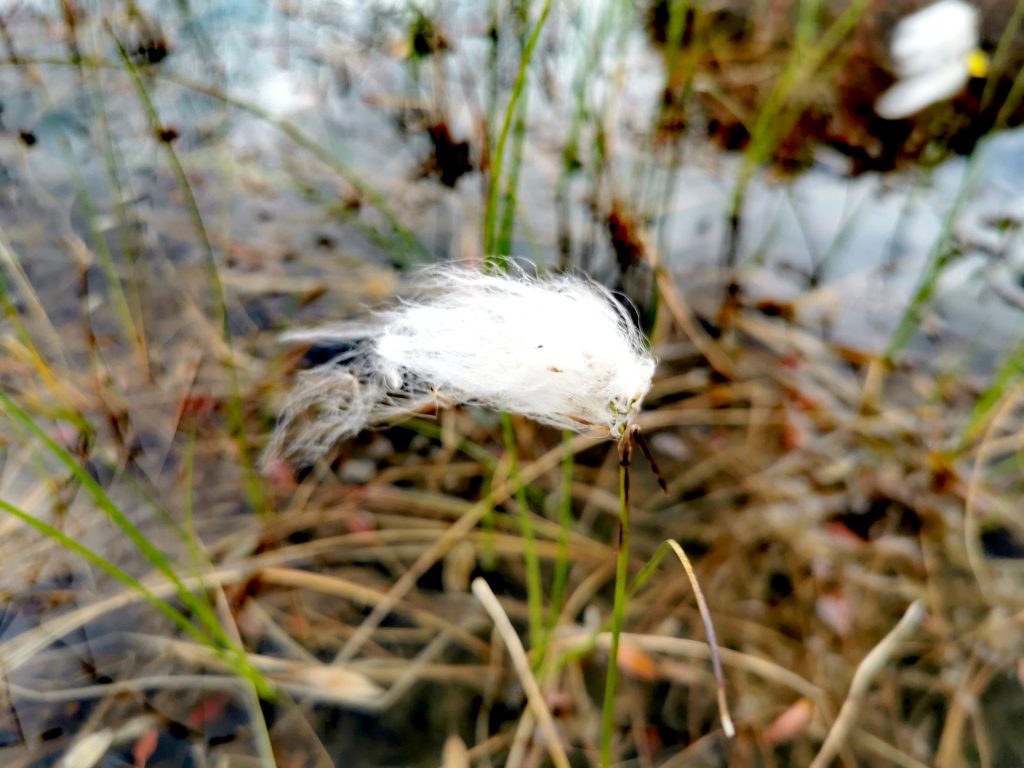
x=618 y=615
x=534 y=591
x=564 y=525
x=490 y=217
x=943 y=251
x=72 y=545
x=199 y=606
x=235 y=416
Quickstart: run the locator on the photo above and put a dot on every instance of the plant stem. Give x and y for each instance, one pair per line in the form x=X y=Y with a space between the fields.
x=534 y=590
x=618 y=612
x=490 y=217
x=564 y=524
x=235 y=415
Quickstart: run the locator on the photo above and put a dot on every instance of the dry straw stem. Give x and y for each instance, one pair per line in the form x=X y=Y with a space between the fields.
x=458 y=530
x=986 y=448
x=862 y=679
x=709 y=628
x=22 y=649
x=521 y=663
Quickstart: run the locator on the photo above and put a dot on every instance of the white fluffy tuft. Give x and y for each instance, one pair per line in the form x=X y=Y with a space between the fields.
x=559 y=350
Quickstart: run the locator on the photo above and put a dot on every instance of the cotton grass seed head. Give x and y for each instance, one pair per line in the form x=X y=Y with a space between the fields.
x=935 y=52
x=559 y=350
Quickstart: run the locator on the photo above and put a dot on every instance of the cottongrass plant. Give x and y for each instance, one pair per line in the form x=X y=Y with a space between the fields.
x=560 y=350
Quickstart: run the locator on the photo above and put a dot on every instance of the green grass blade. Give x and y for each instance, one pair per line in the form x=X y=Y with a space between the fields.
x=534 y=590
x=565 y=522
x=106 y=504
x=201 y=608
x=943 y=251
x=774 y=119
x=165 y=608
x=1010 y=372
x=490 y=217
x=618 y=618
x=236 y=420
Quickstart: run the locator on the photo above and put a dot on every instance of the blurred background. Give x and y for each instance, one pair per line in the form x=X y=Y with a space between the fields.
x=835 y=299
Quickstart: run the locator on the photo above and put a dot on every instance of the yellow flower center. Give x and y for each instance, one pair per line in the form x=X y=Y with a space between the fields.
x=978 y=63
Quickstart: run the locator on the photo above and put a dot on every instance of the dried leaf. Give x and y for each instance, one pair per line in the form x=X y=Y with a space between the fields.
x=636 y=662
x=145 y=747
x=329 y=683
x=792 y=723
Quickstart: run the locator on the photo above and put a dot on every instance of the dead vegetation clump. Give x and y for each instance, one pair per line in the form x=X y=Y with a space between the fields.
x=821 y=499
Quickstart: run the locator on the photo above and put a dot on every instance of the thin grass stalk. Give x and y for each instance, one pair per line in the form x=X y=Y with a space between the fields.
x=506 y=229
x=13 y=316
x=878 y=658
x=773 y=120
x=493 y=56
x=118 y=299
x=115 y=166
x=236 y=419
x=618 y=611
x=191 y=539
x=535 y=697
x=680 y=88
x=594 y=44
x=943 y=251
x=641 y=579
x=476 y=452
x=201 y=608
x=677 y=12
x=1009 y=374
x=488 y=553
x=490 y=216
x=571 y=162
x=1001 y=54
x=534 y=588
x=709 y=628
x=162 y=606
x=1013 y=99
x=565 y=521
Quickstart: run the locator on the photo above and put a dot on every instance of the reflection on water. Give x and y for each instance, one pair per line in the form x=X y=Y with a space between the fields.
x=341 y=76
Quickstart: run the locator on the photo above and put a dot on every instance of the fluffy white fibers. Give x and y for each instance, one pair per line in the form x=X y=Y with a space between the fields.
x=559 y=350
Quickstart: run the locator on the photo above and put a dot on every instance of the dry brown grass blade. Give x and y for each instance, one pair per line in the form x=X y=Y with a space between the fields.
x=351 y=591
x=514 y=646
x=683 y=316
x=709 y=628
x=986 y=448
x=695 y=649
x=867 y=670
x=469 y=520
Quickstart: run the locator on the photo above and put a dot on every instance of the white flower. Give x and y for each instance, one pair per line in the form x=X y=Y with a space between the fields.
x=559 y=350
x=935 y=52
